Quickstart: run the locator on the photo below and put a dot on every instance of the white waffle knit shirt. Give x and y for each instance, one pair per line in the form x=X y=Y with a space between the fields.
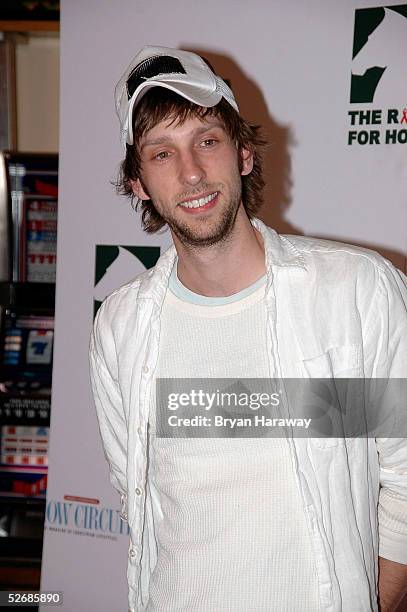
x=231 y=530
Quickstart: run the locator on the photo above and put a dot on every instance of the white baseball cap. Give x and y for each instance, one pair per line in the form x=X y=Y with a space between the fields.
x=183 y=72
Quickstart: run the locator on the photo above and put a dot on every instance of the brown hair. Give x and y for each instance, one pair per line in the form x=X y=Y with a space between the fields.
x=160 y=104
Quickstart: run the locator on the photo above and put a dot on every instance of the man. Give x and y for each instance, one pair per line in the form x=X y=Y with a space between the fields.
x=286 y=523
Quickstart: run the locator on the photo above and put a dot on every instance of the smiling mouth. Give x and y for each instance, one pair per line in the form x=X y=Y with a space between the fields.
x=199 y=202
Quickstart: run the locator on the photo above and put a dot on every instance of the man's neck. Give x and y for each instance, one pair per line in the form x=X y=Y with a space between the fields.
x=227 y=267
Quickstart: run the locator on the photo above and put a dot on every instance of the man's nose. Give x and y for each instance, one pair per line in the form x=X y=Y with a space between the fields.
x=192 y=171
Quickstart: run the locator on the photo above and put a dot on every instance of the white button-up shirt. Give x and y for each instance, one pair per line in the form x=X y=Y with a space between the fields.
x=332 y=311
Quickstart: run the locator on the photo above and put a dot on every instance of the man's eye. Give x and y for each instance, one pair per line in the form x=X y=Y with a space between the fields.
x=208 y=142
x=161 y=155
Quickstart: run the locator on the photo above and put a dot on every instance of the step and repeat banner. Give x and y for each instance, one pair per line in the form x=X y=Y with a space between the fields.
x=327 y=83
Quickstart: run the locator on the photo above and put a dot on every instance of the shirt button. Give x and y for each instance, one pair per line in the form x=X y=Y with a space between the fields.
x=138 y=491
x=145 y=369
x=139 y=431
x=132 y=552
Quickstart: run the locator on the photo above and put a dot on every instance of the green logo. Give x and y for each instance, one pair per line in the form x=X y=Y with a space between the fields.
x=378 y=67
x=117 y=265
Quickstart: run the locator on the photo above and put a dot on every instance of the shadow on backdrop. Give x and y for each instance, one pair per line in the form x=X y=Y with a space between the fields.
x=277 y=158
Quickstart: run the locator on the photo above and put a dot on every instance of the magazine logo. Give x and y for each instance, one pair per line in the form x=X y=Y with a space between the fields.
x=116 y=265
x=378 y=77
x=84 y=519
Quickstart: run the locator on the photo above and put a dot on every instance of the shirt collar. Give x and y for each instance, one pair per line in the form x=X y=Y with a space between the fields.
x=279 y=251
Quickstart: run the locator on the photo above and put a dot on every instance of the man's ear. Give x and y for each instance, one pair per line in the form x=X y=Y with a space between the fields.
x=247 y=161
x=139 y=190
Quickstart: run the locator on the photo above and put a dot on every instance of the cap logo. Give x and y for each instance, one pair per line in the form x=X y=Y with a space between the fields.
x=152 y=67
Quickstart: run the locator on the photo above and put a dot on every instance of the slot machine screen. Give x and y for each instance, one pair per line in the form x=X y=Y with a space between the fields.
x=26 y=351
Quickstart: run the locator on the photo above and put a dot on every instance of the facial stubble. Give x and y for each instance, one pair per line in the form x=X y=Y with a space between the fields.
x=187 y=233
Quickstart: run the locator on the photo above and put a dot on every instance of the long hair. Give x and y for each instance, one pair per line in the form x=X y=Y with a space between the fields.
x=160 y=104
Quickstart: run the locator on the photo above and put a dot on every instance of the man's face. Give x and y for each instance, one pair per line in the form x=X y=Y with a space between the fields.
x=191 y=174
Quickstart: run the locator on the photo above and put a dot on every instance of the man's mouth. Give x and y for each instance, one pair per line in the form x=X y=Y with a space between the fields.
x=198 y=203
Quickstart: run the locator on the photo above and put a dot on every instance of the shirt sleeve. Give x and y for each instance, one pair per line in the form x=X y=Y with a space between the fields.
x=108 y=403
x=387 y=358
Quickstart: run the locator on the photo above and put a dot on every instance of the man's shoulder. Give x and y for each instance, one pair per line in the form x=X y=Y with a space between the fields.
x=123 y=299
x=142 y=286
x=333 y=264
x=319 y=250
x=334 y=260
x=317 y=255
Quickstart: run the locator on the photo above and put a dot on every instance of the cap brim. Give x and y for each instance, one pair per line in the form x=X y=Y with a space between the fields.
x=185 y=90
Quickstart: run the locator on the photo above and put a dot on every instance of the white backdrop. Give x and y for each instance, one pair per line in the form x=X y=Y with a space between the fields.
x=290 y=66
